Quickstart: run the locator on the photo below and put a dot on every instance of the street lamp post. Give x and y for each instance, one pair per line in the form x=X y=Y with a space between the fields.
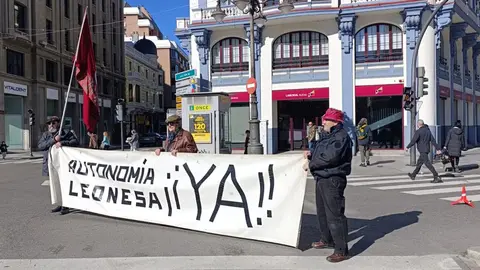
x=254 y=9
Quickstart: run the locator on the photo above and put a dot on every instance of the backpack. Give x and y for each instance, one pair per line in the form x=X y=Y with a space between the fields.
x=362 y=132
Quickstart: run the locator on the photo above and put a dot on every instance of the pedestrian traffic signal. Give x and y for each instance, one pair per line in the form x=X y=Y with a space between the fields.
x=421 y=82
x=119 y=112
x=31 y=117
x=408 y=101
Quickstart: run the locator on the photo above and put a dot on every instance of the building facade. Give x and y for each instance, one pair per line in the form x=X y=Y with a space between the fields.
x=172 y=59
x=144 y=87
x=355 y=56
x=37 y=46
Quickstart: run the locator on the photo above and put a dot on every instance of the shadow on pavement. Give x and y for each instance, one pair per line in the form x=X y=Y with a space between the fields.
x=367 y=230
x=380 y=162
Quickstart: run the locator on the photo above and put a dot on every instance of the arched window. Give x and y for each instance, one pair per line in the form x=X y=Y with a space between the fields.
x=378 y=43
x=300 y=49
x=230 y=54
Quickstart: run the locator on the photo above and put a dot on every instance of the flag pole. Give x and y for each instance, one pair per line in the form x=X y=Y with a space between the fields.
x=73 y=71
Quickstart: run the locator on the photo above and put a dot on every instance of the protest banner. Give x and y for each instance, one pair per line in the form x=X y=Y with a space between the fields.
x=247 y=196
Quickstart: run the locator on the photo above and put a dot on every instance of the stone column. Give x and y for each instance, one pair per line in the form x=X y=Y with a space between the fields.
x=476 y=53
x=257 y=37
x=457 y=31
x=412 y=18
x=341 y=61
x=202 y=38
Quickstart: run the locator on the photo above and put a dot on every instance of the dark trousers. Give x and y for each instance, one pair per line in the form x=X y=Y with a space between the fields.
x=423 y=159
x=331 y=212
x=454 y=162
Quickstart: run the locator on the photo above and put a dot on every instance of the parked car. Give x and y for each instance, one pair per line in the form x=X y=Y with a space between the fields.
x=150 y=140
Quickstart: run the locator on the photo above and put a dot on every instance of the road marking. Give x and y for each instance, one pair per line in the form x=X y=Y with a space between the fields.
x=440 y=190
x=46 y=183
x=473 y=198
x=427 y=262
x=427 y=185
x=22 y=161
x=371 y=183
x=385 y=177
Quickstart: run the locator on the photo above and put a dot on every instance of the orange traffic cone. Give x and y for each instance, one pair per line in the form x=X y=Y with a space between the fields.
x=463 y=199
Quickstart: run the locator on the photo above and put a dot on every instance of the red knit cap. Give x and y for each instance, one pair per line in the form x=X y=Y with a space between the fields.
x=333 y=115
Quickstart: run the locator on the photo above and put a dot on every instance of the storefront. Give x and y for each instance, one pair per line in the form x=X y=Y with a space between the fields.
x=14 y=98
x=382 y=106
x=107 y=116
x=239 y=119
x=52 y=102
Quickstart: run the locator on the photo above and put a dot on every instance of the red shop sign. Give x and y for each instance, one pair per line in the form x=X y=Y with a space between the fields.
x=300 y=94
x=477 y=99
x=469 y=97
x=444 y=91
x=458 y=95
x=379 y=90
x=239 y=97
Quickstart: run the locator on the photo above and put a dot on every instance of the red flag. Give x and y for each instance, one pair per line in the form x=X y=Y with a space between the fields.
x=86 y=77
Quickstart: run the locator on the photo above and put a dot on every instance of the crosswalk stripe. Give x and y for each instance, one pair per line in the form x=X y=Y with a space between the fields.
x=371 y=183
x=440 y=190
x=46 y=183
x=385 y=177
x=473 y=198
x=453 y=183
x=22 y=161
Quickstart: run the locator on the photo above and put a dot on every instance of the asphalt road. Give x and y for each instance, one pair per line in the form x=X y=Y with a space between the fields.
x=382 y=222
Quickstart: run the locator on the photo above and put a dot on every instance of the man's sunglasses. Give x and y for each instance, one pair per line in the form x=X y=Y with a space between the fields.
x=52 y=122
x=172 y=123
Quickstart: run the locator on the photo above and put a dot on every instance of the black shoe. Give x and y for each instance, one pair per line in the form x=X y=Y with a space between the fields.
x=436 y=180
x=368 y=163
x=411 y=176
x=363 y=165
x=57 y=209
x=65 y=210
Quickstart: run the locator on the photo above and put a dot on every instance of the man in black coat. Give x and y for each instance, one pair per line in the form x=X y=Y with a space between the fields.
x=50 y=138
x=423 y=137
x=330 y=163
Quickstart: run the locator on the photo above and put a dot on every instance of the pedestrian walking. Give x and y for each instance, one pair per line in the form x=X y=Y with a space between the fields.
x=312 y=134
x=364 y=138
x=105 y=141
x=93 y=142
x=330 y=163
x=134 y=143
x=423 y=137
x=50 y=138
x=3 y=149
x=179 y=140
x=454 y=145
x=247 y=141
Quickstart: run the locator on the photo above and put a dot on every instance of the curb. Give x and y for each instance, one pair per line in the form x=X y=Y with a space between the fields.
x=25 y=158
x=474 y=253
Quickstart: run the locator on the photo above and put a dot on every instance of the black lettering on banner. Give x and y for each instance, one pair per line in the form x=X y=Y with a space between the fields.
x=125 y=200
x=196 y=186
x=122 y=178
x=71 y=166
x=112 y=195
x=70 y=190
x=243 y=204
x=84 y=190
x=102 y=190
x=175 y=194
x=262 y=189
x=136 y=173
x=80 y=167
x=154 y=200
x=150 y=176
x=169 y=204
x=91 y=164
x=101 y=170
x=272 y=181
x=140 y=199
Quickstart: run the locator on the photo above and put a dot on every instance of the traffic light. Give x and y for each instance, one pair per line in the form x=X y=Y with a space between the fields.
x=119 y=109
x=407 y=98
x=32 y=117
x=421 y=82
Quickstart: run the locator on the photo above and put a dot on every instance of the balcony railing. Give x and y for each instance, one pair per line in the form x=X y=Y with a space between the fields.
x=467 y=82
x=384 y=56
x=230 y=68
x=457 y=74
x=477 y=82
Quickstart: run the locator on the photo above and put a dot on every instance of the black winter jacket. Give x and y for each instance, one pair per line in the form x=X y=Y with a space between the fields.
x=423 y=137
x=455 y=142
x=332 y=155
x=48 y=140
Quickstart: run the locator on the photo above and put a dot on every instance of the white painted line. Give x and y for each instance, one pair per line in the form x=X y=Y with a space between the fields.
x=440 y=190
x=371 y=183
x=427 y=262
x=400 y=176
x=428 y=185
x=46 y=183
x=473 y=198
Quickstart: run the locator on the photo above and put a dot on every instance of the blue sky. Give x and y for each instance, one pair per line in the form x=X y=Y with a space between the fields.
x=164 y=12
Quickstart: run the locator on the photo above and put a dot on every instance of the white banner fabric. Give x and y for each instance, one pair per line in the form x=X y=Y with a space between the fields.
x=246 y=196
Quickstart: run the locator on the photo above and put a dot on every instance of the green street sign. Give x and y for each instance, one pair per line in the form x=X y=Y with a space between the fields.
x=185 y=74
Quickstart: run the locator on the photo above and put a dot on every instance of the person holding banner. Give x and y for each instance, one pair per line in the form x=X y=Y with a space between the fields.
x=50 y=138
x=179 y=140
x=330 y=162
